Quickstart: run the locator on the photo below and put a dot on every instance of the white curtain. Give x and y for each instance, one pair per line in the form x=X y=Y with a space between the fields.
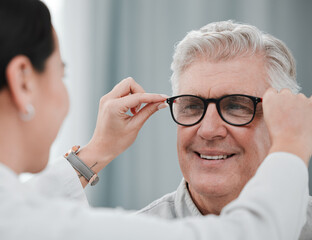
x=104 y=41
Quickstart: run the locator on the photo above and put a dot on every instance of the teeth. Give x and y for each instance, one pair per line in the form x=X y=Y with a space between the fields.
x=213 y=157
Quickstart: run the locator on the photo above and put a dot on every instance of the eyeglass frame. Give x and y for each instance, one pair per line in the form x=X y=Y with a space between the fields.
x=206 y=102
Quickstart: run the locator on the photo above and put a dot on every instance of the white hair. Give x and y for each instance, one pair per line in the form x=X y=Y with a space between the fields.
x=226 y=40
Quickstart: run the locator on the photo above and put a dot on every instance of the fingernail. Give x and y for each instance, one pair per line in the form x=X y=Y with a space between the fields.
x=164 y=95
x=163 y=105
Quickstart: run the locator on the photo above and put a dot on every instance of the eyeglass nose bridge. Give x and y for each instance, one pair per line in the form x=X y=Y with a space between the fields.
x=211 y=100
x=207 y=101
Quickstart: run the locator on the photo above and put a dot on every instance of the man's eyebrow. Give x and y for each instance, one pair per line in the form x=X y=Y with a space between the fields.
x=219 y=95
x=207 y=93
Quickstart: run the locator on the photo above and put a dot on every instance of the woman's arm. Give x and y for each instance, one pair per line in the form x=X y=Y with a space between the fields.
x=115 y=131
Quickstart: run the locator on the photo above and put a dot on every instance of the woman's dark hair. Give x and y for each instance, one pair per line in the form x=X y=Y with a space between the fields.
x=25 y=29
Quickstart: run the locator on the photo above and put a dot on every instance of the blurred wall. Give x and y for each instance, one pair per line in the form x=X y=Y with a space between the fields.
x=104 y=41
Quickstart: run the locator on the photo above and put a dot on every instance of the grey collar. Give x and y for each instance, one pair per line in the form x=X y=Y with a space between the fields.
x=184 y=205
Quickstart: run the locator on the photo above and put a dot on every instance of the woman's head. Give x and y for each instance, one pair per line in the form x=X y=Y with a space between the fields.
x=31 y=72
x=25 y=29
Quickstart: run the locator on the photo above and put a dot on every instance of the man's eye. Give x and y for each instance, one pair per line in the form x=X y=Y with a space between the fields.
x=234 y=106
x=239 y=108
x=193 y=107
x=191 y=110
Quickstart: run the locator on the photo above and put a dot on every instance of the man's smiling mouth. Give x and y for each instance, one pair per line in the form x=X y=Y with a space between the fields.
x=215 y=157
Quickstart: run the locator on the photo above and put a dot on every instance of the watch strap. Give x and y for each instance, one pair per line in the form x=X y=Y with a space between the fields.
x=81 y=167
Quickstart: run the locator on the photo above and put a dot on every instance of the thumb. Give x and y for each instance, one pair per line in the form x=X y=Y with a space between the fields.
x=147 y=111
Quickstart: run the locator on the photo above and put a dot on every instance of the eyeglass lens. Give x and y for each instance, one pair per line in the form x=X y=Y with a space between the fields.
x=188 y=110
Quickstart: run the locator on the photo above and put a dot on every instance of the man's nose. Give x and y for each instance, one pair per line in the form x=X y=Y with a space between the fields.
x=212 y=126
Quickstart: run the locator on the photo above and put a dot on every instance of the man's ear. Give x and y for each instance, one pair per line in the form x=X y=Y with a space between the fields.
x=20 y=79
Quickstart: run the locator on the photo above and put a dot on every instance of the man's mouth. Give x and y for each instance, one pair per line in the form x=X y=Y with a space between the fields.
x=215 y=157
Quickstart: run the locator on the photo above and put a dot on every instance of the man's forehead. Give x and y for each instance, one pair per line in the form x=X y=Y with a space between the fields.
x=224 y=89
x=214 y=79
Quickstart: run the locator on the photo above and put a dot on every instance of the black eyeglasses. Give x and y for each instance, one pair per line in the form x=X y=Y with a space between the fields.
x=235 y=109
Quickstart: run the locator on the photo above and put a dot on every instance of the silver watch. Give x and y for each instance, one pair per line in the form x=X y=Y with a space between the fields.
x=80 y=166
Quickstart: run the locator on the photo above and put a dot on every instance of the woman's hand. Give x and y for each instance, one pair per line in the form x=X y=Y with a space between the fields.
x=288 y=117
x=115 y=129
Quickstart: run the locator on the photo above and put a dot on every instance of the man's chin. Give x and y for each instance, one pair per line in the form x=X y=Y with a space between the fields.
x=212 y=189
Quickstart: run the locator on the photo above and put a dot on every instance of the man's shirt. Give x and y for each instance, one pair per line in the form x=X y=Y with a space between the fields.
x=179 y=204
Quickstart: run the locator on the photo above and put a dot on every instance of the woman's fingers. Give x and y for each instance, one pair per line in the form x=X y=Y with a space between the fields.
x=126 y=87
x=153 y=103
x=134 y=101
x=148 y=110
x=129 y=87
x=288 y=117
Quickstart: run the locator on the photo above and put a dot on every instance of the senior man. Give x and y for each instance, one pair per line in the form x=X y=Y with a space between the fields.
x=220 y=73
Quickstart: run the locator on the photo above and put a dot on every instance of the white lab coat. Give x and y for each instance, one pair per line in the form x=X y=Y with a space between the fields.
x=271 y=206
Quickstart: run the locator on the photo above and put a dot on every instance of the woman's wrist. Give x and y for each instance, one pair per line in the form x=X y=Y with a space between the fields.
x=297 y=149
x=94 y=157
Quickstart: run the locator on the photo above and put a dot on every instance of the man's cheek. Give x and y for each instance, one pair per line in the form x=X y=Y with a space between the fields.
x=181 y=140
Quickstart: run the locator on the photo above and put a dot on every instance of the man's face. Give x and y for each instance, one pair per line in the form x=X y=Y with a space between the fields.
x=247 y=146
